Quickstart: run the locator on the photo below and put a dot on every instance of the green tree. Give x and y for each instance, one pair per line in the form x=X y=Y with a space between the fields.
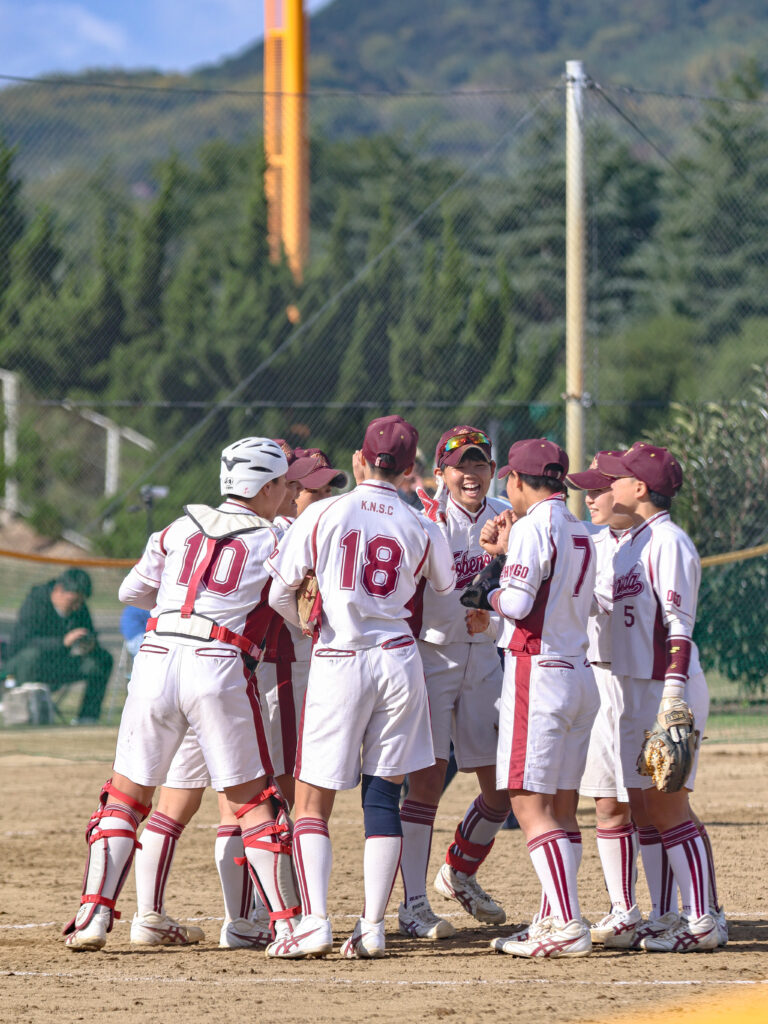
x=723 y=450
x=11 y=214
x=707 y=259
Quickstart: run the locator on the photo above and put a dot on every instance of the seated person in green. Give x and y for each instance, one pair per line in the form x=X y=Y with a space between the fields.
x=54 y=642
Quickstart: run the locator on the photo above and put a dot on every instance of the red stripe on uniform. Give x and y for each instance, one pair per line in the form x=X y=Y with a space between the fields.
x=519 y=723
x=287 y=715
x=297 y=766
x=527 y=635
x=258 y=722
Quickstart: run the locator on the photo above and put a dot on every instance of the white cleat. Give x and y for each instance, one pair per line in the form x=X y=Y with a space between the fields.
x=418 y=920
x=466 y=890
x=310 y=937
x=366 y=942
x=617 y=929
x=89 y=937
x=722 y=926
x=246 y=933
x=690 y=936
x=651 y=928
x=558 y=940
x=152 y=929
x=538 y=926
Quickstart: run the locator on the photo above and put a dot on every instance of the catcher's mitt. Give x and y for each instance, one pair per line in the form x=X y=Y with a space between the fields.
x=309 y=604
x=669 y=748
x=476 y=594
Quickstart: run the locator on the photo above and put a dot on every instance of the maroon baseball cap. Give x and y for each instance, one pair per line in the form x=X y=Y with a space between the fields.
x=656 y=467
x=313 y=469
x=460 y=441
x=289 y=453
x=536 y=457
x=390 y=443
x=592 y=479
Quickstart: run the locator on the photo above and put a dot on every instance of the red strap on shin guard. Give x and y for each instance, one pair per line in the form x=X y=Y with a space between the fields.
x=142 y=809
x=254 y=843
x=102 y=901
x=478 y=851
x=282 y=915
x=257 y=801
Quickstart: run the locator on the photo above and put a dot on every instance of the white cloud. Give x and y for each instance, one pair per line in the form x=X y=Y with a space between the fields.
x=45 y=36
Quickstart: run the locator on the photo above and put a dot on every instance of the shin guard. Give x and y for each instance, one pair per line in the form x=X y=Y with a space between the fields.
x=110 y=854
x=459 y=861
x=268 y=848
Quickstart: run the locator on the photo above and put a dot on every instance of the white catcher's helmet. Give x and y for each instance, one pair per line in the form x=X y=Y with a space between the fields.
x=248 y=464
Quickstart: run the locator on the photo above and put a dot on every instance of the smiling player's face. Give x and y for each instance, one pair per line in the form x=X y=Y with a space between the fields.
x=468 y=482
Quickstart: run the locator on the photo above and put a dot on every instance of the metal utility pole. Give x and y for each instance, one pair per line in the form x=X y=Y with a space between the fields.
x=575 y=272
x=286 y=180
x=10 y=390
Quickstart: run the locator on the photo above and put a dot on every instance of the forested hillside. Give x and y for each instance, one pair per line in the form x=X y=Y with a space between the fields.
x=391 y=47
x=434 y=289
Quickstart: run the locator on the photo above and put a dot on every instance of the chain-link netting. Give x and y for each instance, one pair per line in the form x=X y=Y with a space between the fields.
x=144 y=327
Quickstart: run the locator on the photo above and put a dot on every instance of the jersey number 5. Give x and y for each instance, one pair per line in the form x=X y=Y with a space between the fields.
x=583 y=544
x=381 y=568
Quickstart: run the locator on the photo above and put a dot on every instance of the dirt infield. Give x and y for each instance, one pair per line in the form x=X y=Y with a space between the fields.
x=48 y=799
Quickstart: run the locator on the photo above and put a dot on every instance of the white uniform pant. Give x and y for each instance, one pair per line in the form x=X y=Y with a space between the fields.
x=548 y=705
x=182 y=685
x=602 y=774
x=641 y=699
x=364 y=711
x=282 y=688
x=464 y=687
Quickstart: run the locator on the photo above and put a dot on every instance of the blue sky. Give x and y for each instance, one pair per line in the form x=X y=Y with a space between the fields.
x=39 y=37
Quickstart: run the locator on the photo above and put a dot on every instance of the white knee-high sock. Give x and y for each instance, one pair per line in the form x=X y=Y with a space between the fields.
x=153 y=861
x=312 y=860
x=381 y=860
x=662 y=886
x=236 y=885
x=418 y=821
x=688 y=860
x=555 y=864
x=617 y=848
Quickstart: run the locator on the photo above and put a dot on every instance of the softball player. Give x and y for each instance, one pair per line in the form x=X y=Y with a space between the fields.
x=616 y=834
x=463 y=676
x=201 y=576
x=281 y=684
x=284 y=669
x=366 y=704
x=549 y=697
x=655 y=589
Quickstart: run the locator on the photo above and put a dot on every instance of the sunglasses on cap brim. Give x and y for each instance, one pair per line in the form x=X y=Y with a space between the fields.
x=477 y=437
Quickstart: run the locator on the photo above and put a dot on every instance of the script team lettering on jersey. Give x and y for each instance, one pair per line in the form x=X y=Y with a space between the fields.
x=468 y=566
x=627 y=586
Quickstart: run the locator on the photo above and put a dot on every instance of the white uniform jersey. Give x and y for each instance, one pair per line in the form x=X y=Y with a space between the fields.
x=439 y=618
x=231 y=586
x=282 y=640
x=655 y=589
x=551 y=558
x=369 y=550
x=607 y=543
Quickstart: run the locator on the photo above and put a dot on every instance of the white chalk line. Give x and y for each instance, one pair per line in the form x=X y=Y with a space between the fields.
x=315 y=980
x=732 y=916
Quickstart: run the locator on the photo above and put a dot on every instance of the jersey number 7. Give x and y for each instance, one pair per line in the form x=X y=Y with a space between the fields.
x=586 y=553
